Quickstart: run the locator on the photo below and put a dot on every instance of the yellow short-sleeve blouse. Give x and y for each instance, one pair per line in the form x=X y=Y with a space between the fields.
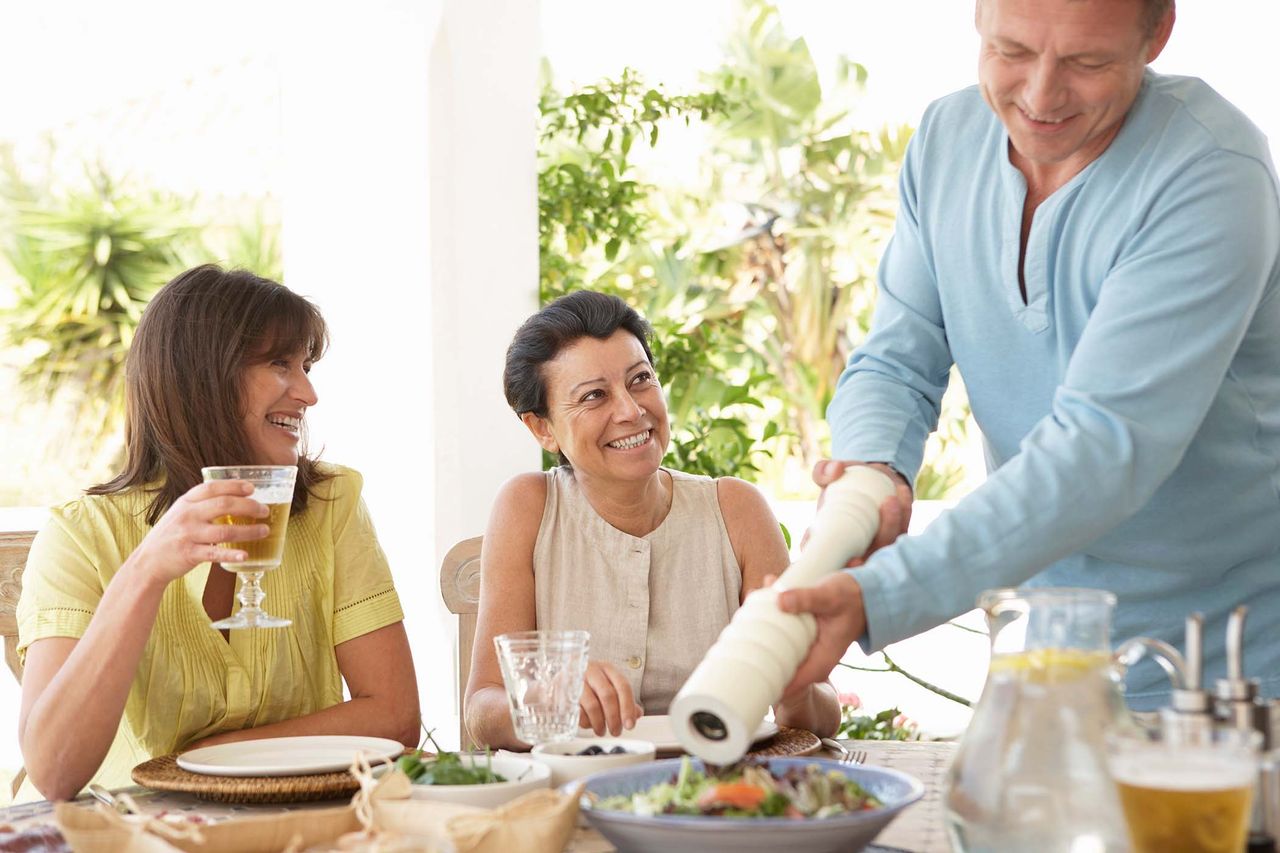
x=334 y=583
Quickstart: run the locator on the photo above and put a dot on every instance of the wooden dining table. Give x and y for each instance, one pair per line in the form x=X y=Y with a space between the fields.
x=919 y=829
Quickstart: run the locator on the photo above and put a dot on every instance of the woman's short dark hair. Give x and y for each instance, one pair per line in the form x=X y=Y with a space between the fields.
x=584 y=313
x=184 y=404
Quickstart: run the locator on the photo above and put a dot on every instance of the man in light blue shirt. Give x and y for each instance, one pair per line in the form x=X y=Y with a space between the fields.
x=1096 y=247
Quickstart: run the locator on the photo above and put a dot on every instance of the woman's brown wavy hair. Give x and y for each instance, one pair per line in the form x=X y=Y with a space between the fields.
x=183 y=386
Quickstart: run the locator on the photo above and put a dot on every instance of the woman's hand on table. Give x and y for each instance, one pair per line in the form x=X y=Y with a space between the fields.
x=815 y=708
x=187 y=534
x=607 y=703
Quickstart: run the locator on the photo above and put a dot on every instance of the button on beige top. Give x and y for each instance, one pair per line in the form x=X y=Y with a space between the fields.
x=653 y=604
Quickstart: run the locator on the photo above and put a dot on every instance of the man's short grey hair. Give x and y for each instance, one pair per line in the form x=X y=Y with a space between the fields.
x=1153 y=14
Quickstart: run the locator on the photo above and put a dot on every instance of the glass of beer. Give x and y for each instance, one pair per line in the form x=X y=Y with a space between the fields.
x=1185 y=792
x=273 y=486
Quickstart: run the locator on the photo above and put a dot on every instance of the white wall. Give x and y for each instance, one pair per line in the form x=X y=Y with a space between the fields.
x=410 y=219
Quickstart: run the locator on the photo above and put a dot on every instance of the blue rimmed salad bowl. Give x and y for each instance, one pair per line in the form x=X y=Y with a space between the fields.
x=815 y=822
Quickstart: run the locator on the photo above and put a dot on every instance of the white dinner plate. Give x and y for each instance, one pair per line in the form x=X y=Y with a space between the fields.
x=656 y=729
x=287 y=756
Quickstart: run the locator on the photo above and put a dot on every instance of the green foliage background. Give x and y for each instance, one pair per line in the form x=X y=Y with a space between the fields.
x=84 y=258
x=758 y=277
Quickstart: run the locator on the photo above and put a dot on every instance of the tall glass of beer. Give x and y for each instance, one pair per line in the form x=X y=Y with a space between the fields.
x=1185 y=793
x=273 y=486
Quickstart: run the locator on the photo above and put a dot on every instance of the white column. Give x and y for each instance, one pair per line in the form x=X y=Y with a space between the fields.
x=484 y=246
x=410 y=218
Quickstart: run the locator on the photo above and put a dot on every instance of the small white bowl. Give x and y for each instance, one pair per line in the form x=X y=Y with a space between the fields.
x=566 y=764
x=522 y=776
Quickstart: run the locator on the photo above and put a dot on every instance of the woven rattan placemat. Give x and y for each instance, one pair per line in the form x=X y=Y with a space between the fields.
x=164 y=774
x=787 y=742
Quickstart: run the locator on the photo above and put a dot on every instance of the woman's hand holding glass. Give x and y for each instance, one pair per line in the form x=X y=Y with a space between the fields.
x=187 y=535
x=607 y=703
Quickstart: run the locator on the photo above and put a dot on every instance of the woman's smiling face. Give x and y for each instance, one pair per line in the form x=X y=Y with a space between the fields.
x=605 y=409
x=276 y=396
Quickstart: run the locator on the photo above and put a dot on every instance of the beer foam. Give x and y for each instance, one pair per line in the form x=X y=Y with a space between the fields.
x=1186 y=770
x=273 y=494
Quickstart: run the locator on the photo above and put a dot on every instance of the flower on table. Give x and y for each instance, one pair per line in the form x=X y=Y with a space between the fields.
x=849 y=700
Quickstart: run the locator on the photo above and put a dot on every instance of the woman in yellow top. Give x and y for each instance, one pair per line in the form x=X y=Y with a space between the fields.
x=121 y=663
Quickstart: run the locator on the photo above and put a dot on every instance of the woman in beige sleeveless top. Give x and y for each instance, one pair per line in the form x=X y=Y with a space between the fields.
x=653 y=562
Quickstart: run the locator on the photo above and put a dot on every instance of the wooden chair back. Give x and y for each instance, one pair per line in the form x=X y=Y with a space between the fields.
x=13 y=559
x=460 y=588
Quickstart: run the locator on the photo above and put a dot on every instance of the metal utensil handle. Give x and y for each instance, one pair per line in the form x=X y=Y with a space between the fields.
x=1235 y=643
x=1194 y=657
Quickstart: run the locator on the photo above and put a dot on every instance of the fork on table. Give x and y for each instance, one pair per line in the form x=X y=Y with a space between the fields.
x=855 y=756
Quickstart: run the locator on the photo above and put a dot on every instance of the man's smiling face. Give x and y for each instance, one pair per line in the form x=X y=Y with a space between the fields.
x=1062 y=74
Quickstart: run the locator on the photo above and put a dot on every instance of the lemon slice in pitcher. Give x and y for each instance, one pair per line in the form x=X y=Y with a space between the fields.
x=1051 y=666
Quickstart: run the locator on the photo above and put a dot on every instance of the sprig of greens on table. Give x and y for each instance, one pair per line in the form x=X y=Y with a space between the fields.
x=446 y=768
x=882 y=726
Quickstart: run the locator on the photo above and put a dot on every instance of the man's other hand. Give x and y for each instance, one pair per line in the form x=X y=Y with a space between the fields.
x=895 y=512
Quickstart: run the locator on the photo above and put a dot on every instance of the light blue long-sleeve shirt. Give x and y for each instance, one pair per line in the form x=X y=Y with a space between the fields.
x=1130 y=409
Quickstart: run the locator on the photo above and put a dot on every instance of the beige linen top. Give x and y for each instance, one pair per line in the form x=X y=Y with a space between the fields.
x=653 y=604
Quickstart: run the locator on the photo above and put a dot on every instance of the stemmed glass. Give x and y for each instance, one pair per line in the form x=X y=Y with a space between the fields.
x=543 y=672
x=273 y=486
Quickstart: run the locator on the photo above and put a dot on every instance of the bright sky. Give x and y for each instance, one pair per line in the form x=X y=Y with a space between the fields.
x=66 y=58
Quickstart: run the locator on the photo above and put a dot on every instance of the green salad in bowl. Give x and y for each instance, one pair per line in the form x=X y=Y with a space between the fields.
x=680 y=806
x=748 y=791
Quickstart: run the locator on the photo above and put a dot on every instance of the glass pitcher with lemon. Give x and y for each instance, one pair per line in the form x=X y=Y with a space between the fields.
x=1031 y=773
